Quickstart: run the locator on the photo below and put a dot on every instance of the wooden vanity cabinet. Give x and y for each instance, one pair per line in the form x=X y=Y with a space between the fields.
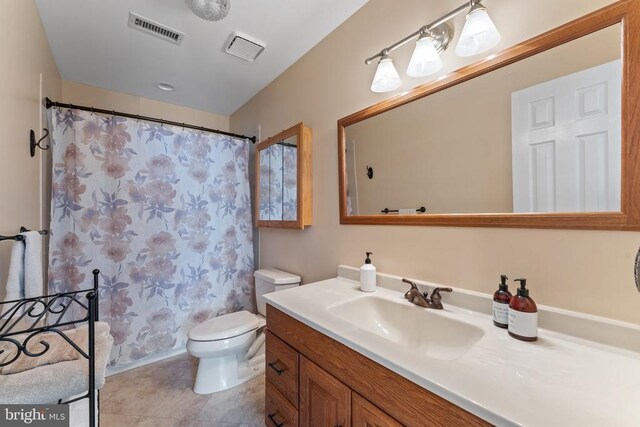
x=324 y=401
x=366 y=414
x=323 y=383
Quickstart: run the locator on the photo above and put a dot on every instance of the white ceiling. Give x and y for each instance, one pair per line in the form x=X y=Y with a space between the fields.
x=92 y=44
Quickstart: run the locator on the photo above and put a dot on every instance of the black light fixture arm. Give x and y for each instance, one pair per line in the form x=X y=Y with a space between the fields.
x=49 y=103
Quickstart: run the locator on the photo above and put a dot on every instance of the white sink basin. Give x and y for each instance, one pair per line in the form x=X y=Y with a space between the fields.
x=409 y=327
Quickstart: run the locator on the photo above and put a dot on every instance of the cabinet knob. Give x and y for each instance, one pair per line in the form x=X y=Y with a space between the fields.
x=274 y=366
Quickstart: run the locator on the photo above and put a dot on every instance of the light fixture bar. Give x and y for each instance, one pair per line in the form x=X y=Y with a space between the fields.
x=426 y=28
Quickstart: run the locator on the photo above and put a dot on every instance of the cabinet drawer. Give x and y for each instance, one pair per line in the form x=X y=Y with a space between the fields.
x=282 y=368
x=366 y=414
x=278 y=412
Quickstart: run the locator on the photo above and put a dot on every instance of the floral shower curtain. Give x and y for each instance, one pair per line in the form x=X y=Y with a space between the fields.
x=163 y=212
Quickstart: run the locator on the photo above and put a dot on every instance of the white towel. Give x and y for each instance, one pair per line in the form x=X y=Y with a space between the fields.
x=33 y=264
x=15 y=280
x=25 y=268
x=407 y=212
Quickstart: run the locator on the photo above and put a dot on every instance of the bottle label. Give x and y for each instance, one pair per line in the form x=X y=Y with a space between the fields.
x=500 y=313
x=523 y=324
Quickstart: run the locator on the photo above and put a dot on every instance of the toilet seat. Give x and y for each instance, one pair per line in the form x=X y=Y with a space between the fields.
x=226 y=327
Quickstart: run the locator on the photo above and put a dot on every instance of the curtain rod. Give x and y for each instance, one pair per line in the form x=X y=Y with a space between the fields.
x=49 y=103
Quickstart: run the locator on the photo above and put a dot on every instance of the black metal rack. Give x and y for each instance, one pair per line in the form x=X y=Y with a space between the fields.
x=421 y=209
x=51 y=310
x=20 y=237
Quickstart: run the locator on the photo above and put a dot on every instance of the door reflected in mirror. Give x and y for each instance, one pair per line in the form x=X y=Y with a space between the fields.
x=540 y=135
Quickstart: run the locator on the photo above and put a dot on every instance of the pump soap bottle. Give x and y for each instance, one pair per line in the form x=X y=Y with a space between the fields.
x=501 y=300
x=368 y=275
x=523 y=315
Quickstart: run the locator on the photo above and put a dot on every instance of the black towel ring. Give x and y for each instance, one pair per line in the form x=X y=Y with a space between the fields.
x=33 y=143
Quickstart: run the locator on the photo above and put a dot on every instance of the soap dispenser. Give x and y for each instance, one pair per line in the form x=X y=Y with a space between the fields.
x=501 y=300
x=368 y=275
x=523 y=315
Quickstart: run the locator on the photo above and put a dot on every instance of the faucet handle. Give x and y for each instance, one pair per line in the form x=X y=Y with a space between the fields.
x=435 y=294
x=413 y=285
x=408 y=294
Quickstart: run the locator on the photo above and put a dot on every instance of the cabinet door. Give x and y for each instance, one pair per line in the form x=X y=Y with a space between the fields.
x=366 y=414
x=324 y=401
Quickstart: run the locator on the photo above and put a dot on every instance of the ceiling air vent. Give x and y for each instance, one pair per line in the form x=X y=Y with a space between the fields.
x=148 y=26
x=243 y=47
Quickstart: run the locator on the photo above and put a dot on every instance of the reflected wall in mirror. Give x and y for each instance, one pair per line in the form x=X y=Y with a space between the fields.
x=283 y=179
x=540 y=135
x=531 y=137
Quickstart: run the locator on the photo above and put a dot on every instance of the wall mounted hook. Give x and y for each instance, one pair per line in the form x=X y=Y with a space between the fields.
x=33 y=143
x=370 y=172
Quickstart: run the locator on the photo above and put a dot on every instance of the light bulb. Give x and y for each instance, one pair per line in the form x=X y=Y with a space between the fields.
x=387 y=77
x=479 y=33
x=425 y=59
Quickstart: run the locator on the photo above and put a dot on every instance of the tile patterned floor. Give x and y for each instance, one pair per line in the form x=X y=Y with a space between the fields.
x=160 y=395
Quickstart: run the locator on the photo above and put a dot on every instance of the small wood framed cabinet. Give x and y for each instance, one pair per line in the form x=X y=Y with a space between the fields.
x=284 y=183
x=315 y=381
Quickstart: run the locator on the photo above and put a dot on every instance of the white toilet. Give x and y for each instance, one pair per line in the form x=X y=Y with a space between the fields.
x=231 y=347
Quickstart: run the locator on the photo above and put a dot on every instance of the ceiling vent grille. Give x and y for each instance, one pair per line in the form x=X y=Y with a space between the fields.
x=148 y=26
x=243 y=47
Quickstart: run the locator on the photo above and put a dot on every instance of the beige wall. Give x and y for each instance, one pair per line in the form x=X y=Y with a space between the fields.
x=80 y=94
x=29 y=74
x=587 y=271
x=451 y=151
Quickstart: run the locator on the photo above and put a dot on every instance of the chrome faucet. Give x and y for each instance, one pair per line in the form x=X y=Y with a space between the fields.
x=422 y=299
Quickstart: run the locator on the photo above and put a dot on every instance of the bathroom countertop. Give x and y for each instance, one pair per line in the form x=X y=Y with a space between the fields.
x=559 y=380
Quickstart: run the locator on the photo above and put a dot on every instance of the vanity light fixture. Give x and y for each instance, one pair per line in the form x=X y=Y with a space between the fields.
x=478 y=35
x=387 y=77
x=425 y=59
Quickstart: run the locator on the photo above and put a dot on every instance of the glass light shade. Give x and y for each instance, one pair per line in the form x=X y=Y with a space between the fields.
x=387 y=77
x=478 y=35
x=210 y=10
x=425 y=59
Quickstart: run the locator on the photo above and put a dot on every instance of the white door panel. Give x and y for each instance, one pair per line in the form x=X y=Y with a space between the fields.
x=566 y=143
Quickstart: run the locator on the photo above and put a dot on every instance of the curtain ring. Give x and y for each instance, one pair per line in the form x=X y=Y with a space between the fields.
x=138 y=117
x=92 y=111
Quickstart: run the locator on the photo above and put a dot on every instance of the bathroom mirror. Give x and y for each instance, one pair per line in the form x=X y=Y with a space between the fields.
x=283 y=179
x=531 y=137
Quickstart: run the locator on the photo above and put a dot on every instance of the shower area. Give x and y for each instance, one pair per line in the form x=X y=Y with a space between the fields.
x=163 y=210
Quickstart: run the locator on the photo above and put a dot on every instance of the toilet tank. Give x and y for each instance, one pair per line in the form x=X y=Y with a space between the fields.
x=271 y=280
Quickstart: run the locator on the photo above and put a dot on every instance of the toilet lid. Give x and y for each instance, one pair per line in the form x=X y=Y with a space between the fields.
x=224 y=327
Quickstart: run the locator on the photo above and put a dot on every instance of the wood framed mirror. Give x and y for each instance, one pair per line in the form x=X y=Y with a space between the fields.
x=544 y=134
x=284 y=180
